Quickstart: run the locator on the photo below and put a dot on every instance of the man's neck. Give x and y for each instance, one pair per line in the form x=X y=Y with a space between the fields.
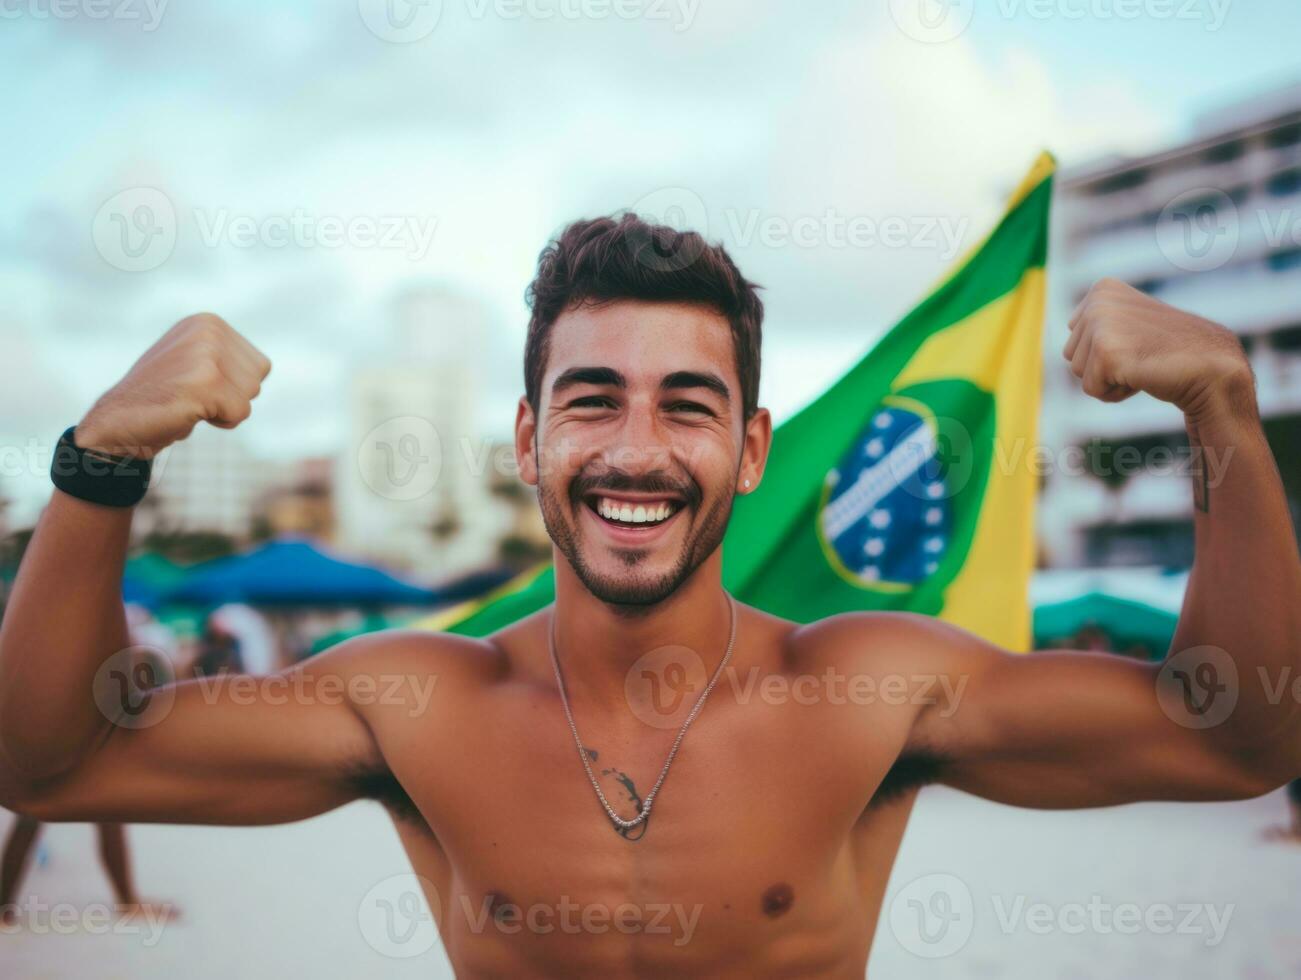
x=597 y=643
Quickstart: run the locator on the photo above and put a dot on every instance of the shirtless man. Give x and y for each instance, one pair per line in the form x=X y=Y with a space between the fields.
x=772 y=838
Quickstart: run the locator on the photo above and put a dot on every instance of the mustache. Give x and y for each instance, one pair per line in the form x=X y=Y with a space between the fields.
x=586 y=484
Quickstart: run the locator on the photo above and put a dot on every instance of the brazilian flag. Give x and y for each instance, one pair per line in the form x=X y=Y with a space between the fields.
x=907 y=484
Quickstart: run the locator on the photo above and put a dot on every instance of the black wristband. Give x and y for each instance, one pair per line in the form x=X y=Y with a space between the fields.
x=101 y=478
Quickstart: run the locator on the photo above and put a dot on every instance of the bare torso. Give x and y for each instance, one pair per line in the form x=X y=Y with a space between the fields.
x=762 y=855
x=771 y=842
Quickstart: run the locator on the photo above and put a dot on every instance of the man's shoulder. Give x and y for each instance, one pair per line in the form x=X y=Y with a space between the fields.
x=882 y=642
x=404 y=650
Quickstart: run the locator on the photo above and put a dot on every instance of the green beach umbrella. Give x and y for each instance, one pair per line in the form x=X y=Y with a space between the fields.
x=1125 y=621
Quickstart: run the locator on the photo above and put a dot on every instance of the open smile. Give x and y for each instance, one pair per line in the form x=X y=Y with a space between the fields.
x=633 y=518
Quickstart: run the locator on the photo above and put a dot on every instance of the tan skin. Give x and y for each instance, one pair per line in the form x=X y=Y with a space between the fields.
x=769 y=847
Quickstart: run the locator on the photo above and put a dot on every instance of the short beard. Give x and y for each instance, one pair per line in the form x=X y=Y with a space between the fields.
x=633 y=592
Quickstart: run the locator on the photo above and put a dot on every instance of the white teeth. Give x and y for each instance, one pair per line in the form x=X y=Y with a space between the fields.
x=633 y=514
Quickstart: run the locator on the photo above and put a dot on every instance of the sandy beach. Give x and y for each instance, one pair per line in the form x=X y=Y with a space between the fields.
x=1153 y=890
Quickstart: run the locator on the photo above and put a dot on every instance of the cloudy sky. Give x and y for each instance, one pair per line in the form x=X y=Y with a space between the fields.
x=293 y=167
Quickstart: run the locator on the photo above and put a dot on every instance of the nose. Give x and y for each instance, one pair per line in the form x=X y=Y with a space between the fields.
x=642 y=444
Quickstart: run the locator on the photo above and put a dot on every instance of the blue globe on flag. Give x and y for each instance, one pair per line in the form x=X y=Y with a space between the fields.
x=887 y=514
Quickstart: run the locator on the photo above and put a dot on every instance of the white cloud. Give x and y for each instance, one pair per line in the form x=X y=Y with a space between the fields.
x=501 y=131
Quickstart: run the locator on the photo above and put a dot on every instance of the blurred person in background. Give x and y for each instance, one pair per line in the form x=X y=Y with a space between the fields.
x=1091 y=637
x=1294 y=805
x=219 y=649
x=253 y=636
x=114 y=855
x=1290 y=831
x=1138 y=651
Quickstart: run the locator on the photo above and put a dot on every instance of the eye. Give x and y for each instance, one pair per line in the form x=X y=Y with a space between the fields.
x=592 y=401
x=693 y=407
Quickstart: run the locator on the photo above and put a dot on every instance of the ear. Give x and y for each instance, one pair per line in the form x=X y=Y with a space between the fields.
x=526 y=427
x=754 y=451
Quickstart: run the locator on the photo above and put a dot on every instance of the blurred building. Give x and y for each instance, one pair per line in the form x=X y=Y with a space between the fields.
x=302 y=503
x=523 y=540
x=210 y=482
x=1212 y=226
x=414 y=479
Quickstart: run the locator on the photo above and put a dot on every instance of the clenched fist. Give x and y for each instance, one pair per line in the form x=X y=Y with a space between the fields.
x=1123 y=341
x=201 y=370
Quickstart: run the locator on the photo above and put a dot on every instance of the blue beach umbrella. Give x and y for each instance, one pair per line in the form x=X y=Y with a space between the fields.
x=294 y=572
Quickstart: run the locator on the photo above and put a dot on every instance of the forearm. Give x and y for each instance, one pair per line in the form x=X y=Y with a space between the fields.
x=64 y=619
x=65 y=616
x=1244 y=592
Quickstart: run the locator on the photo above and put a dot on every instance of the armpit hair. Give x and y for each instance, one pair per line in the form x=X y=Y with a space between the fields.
x=377 y=782
x=911 y=770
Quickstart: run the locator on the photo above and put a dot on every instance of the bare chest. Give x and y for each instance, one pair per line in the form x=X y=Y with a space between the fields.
x=750 y=849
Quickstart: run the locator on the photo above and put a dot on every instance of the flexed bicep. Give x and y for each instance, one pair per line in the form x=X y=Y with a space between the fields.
x=230 y=749
x=1064 y=728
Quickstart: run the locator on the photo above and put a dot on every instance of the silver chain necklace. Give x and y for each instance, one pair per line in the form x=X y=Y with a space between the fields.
x=582 y=753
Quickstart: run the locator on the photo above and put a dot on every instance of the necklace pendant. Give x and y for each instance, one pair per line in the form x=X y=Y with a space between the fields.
x=578 y=742
x=629 y=824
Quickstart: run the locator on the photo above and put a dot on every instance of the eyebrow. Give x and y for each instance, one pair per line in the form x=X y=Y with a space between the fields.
x=612 y=378
x=588 y=376
x=696 y=379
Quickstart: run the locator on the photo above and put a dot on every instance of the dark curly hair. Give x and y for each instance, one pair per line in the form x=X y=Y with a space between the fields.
x=601 y=260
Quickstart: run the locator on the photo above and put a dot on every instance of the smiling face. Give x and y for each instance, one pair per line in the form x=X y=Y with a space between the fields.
x=639 y=444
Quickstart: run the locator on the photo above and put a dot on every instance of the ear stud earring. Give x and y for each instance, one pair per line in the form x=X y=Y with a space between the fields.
x=747 y=484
